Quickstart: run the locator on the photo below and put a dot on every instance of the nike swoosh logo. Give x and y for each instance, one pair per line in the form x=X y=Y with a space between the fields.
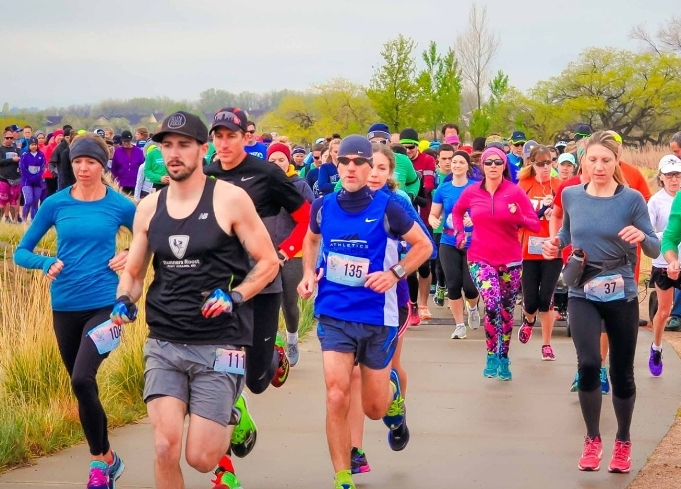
x=268 y=338
x=371 y=220
x=243 y=179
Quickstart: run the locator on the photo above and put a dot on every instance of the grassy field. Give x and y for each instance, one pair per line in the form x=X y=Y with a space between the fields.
x=39 y=414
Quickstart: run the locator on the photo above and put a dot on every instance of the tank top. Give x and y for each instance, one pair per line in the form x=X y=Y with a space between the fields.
x=192 y=257
x=354 y=245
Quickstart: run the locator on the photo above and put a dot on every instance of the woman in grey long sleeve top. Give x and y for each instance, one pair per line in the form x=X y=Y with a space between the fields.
x=607 y=220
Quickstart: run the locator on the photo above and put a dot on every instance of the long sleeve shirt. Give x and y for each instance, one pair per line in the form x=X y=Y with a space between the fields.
x=32 y=166
x=328 y=176
x=143 y=184
x=155 y=167
x=124 y=165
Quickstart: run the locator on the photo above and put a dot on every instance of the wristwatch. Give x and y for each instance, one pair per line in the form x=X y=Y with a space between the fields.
x=281 y=256
x=398 y=271
x=236 y=297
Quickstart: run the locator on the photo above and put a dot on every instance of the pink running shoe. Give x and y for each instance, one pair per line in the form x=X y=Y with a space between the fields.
x=591 y=454
x=547 y=353
x=414 y=318
x=621 y=457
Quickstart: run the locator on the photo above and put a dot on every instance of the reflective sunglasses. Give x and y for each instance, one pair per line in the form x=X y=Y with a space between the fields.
x=542 y=164
x=493 y=162
x=357 y=160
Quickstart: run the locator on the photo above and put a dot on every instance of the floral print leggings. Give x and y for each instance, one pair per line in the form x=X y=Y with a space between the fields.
x=498 y=287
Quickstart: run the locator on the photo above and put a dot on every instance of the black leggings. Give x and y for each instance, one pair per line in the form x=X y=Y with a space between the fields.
x=82 y=360
x=262 y=361
x=291 y=276
x=438 y=277
x=457 y=274
x=621 y=325
x=539 y=283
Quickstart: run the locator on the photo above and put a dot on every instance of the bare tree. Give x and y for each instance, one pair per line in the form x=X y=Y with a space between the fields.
x=475 y=49
x=668 y=37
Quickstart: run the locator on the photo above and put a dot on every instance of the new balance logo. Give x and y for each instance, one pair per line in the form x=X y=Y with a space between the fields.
x=203 y=215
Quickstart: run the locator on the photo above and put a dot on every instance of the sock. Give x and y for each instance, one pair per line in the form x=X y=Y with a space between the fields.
x=472 y=308
x=624 y=409
x=291 y=337
x=344 y=476
x=531 y=323
x=591 y=402
x=225 y=464
x=460 y=324
x=657 y=347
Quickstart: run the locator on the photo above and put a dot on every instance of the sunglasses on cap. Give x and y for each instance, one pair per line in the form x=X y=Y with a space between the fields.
x=357 y=160
x=493 y=162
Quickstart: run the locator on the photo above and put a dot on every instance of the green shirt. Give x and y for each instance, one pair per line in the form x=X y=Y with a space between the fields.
x=154 y=166
x=672 y=233
x=405 y=175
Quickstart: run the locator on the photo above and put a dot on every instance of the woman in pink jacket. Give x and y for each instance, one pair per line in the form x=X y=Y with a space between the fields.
x=498 y=209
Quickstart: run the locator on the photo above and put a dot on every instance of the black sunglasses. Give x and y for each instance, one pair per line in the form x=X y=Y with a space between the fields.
x=357 y=160
x=252 y=131
x=316 y=157
x=8 y=137
x=409 y=146
x=494 y=162
x=555 y=158
x=542 y=164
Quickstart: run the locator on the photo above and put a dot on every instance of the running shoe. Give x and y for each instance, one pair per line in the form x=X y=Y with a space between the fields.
x=424 y=313
x=605 y=383
x=245 y=432
x=226 y=480
x=460 y=332
x=345 y=485
x=575 y=383
x=115 y=470
x=99 y=475
x=284 y=365
x=492 y=366
x=525 y=331
x=592 y=453
x=399 y=437
x=414 y=318
x=505 y=369
x=433 y=289
x=439 y=298
x=293 y=353
x=473 y=318
x=655 y=362
x=395 y=415
x=673 y=324
x=621 y=457
x=358 y=461
x=547 y=353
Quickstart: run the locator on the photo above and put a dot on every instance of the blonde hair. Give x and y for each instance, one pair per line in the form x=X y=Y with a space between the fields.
x=529 y=171
x=607 y=140
x=144 y=132
x=385 y=150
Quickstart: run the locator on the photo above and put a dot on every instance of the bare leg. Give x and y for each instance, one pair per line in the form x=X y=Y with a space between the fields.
x=337 y=375
x=167 y=419
x=356 y=413
x=548 y=319
x=665 y=301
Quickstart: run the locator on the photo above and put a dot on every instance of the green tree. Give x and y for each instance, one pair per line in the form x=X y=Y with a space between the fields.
x=393 y=90
x=500 y=113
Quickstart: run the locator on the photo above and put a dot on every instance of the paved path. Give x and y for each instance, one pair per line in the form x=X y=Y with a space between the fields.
x=467 y=432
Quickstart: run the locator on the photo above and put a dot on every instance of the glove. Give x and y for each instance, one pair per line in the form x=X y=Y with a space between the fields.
x=124 y=311
x=218 y=302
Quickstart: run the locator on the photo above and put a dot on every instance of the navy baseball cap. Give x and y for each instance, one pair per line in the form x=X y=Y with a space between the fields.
x=583 y=131
x=15 y=128
x=518 y=137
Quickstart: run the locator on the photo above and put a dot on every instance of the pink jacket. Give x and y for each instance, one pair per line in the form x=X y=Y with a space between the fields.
x=495 y=229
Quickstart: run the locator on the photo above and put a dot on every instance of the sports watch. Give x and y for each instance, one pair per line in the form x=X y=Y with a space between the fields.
x=398 y=271
x=236 y=297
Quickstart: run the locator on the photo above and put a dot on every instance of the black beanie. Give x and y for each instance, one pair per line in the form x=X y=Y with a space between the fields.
x=465 y=155
x=409 y=135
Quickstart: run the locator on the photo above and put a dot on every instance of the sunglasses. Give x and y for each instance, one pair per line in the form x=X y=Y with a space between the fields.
x=252 y=131
x=493 y=162
x=409 y=146
x=521 y=143
x=8 y=137
x=381 y=141
x=555 y=158
x=316 y=157
x=542 y=164
x=357 y=160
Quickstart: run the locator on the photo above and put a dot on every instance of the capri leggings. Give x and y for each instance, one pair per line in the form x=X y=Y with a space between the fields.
x=82 y=360
x=413 y=280
x=498 y=287
x=436 y=272
x=539 y=282
x=291 y=276
x=457 y=274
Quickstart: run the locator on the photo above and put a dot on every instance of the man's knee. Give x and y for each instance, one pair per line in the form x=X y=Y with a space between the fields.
x=337 y=399
x=202 y=460
x=168 y=447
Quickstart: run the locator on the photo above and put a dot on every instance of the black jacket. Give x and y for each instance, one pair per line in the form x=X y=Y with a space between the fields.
x=9 y=169
x=61 y=161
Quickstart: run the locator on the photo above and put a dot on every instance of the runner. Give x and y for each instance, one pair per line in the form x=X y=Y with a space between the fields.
x=566 y=166
x=540 y=276
x=454 y=259
x=444 y=156
x=404 y=174
x=659 y=208
x=497 y=209
x=328 y=172
x=87 y=217
x=32 y=166
x=606 y=220
x=271 y=191
x=10 y=178
x=292 y=271
x=125 y=163
x=200 y=316
x=364 y=328
x=253 y=146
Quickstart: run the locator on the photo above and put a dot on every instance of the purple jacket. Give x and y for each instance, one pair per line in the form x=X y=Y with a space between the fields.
x=32 y=168
x=124 y=168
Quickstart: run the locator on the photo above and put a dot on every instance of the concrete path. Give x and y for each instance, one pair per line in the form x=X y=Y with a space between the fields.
x=466 y=431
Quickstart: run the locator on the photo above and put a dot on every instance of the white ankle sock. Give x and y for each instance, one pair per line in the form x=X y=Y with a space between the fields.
x=291 y=337
x=656 y=347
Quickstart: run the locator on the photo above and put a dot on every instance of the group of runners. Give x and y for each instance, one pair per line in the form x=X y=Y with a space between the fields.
x=236 y=230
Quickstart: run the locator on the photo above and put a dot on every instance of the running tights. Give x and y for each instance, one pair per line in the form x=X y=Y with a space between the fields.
x=498 y=287
x=539 y=283
x=456 y=272
x=621 y=325
x=82 y=360
x=291 y=276
x=262 y=361
x=32 y=196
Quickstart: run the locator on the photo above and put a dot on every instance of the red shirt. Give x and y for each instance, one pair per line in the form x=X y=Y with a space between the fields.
x=425 y=167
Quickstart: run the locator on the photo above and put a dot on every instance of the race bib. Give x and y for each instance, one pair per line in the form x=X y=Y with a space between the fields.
x=605 y=289
x=33 y=169
x=229 y=361
x=106 y=336
x=347 y=270
x=534 y=245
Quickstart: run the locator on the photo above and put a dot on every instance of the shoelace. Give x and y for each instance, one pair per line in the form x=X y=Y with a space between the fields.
x=657 y=357
x=97 y=477
x=547 y=351
x=621 y=451
x=591 y=447
x=396 y=407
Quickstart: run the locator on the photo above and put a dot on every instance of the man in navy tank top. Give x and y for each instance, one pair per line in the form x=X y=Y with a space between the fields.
x=200 y=233
x=356 y=305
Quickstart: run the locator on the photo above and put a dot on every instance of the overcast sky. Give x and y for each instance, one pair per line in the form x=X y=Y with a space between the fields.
x=83 y=51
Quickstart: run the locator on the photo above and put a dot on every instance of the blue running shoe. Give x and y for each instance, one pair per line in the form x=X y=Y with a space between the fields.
x=505 y=369
x=395 y=415
x=575 y=383
x=99 y=475
x=115 y=470
x=492 y=366
x=605 y=383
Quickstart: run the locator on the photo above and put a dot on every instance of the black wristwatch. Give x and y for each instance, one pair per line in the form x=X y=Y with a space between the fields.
x=398 y=271
x=282 y=257
x=236 y=297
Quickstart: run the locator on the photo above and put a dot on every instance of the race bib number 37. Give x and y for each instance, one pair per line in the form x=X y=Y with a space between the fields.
x=229 y=361
x=347 y=270
x=605 y=289
x=106 y=336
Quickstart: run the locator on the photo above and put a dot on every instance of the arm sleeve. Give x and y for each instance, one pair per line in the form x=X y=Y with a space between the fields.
x=128 y=214
x=429 y=177
x=412 y=182
x=139 y=183
x=672 y=233
x=415 y=218
x=651 y=244
x=437 y=196
x=24 y=256
x=642 y=186
x=653 y=213
x=23 y=166
x=306 y=191
x=284 y=192
x=564 y=234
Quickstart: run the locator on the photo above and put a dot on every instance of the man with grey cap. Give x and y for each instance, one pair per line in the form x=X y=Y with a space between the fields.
x=356 y=304
x=201 y=232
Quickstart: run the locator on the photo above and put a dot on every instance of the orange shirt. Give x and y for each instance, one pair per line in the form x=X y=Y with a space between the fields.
x=536 y=191
x=635 y=179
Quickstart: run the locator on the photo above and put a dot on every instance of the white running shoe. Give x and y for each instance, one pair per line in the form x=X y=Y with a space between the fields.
x=460 y=332
x=473 y=318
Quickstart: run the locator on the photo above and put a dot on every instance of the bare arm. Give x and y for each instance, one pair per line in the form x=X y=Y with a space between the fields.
x=311 y=245
x=131 y=283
